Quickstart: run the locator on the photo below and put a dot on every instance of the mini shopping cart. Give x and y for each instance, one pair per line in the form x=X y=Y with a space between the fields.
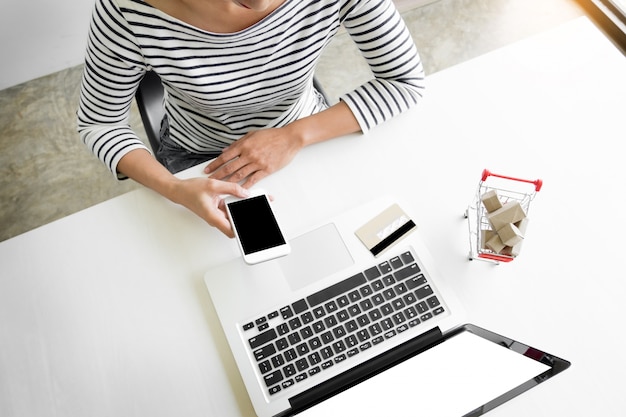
x=508 y=189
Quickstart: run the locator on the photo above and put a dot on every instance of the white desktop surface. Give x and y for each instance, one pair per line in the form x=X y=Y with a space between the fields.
x=105 y=313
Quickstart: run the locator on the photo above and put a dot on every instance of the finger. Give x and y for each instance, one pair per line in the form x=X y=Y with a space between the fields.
x=225 y=187
x=223 y=225
x=243 y=172
x=254 y=178
x=227 y=156
x=227 y=169
x=214 y=164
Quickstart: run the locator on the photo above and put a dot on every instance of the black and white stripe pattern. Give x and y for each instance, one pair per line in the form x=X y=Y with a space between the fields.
x=221 y=86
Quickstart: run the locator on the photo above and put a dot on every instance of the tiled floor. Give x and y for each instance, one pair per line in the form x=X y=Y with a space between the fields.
x=46 y=173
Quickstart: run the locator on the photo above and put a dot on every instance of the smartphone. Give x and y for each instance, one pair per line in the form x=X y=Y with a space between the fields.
x=256 y=228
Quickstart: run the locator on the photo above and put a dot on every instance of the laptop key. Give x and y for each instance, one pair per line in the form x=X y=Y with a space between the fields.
x=294 y=338
x=378 y=285
x=273 y=378
x=283 y=328
x=343 y=301
x=366 y=290
x=307 y=317
x=423 y=292
x=384 y=267
x=363 y=335
x=299 y=306
x=262 y=338
x=314 y=358
x=421 y=307
x=409 y=271
x=375 y=329
x=351 y=341
x=289 y=370
x=438 y=311
x=331 y=307
x=290 y=354
x=295 y=323
x=318 y=326
x=396 y=262
x=302 y=364
x=389 y=280
x=340 y=358
x=375 y=314
x=278 y=361
x=274 y=390
x=326 y=353
x=343 y=315
x=415 y=282
x=315 y=343
x=265 y=367
x=386 y=309
x=410 y=313
x=433 y=302
x=339 y=346
x=336 y=289
x=265 y=352
x=371 y=273
x=306 y=332
x=407 y=257
x=286 y=312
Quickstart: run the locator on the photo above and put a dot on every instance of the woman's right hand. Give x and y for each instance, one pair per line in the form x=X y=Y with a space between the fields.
x=203 y=196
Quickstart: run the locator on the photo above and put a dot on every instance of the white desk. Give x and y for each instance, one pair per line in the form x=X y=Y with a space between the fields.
x=104 y=313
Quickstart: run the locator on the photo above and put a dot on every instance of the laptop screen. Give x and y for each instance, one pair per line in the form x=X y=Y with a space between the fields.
x=467 y=374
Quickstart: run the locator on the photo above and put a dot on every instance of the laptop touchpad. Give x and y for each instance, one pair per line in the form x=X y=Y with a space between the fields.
x=315 y=255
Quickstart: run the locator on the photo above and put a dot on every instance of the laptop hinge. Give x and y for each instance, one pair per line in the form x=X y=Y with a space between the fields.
x=364 y=371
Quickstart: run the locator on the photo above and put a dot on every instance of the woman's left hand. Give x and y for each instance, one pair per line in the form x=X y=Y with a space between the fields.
x=255 y=156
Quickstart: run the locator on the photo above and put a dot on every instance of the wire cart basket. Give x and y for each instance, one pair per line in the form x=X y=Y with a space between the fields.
x=508 y=189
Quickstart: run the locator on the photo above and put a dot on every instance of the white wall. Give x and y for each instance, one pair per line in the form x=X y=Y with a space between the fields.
x=39 y=37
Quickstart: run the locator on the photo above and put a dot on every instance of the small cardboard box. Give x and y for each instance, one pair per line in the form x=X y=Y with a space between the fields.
x=495 y=244
x=510 y=234
x=491 y=201
x=511 y=212
x=522 y=225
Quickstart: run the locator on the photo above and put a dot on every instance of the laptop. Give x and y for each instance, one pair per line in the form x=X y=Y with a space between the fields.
x=347 y=317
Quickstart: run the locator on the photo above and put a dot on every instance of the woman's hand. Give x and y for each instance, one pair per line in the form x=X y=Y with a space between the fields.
x=255 y=156
x=263 y=152
x=203 y=196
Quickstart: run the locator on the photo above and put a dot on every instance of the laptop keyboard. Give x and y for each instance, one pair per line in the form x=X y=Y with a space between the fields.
x=311 y=335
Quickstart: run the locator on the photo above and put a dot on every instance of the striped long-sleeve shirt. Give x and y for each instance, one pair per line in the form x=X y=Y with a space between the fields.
x=221 y=86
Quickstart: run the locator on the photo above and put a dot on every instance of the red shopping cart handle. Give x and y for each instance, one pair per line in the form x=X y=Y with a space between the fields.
x=537 y=183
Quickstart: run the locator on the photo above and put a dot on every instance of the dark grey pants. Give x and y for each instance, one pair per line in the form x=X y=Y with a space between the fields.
x=173 y=156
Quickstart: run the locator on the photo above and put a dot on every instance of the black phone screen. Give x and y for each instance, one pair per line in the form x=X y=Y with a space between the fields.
x=256 y=225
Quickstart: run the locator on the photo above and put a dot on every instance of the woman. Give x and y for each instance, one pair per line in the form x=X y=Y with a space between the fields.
x=238 y=81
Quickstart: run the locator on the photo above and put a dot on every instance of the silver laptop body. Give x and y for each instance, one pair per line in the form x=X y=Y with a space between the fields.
x=282 y=351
